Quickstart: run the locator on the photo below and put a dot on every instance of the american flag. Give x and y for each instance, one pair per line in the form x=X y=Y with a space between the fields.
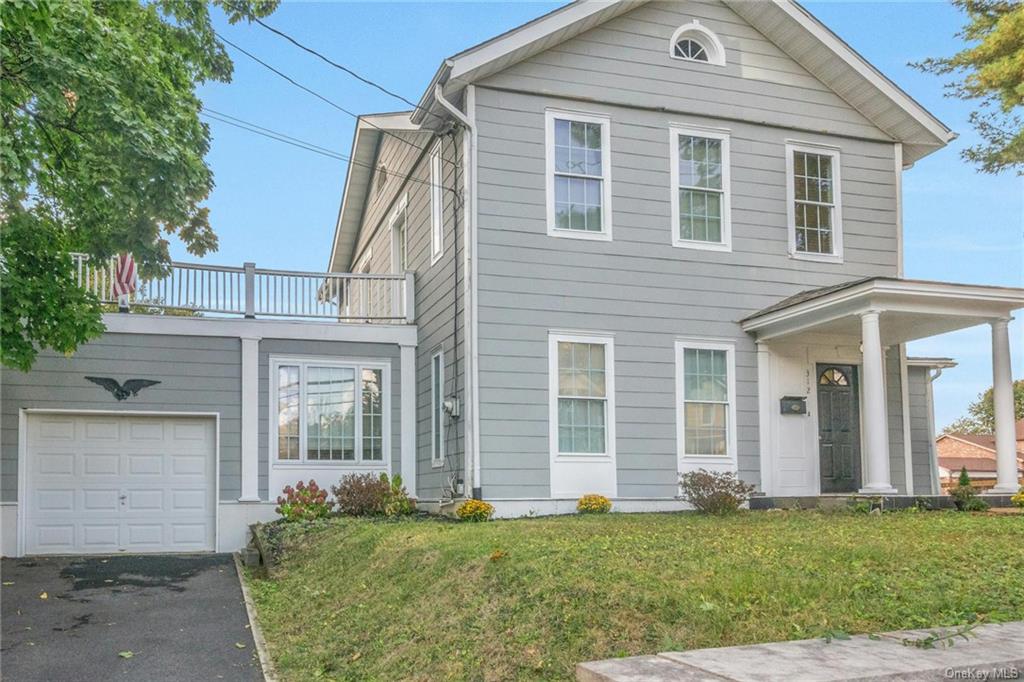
x=125 y=278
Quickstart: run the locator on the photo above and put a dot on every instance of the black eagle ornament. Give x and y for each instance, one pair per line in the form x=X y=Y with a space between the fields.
x=122 y=392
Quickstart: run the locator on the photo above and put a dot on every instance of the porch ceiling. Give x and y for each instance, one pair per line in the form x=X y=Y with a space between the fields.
x=910 y=309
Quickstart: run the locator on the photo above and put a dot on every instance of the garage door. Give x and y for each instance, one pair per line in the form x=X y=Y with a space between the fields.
x=103 y=484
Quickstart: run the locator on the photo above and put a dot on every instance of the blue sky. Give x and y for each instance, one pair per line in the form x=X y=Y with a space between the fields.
x=276 y=205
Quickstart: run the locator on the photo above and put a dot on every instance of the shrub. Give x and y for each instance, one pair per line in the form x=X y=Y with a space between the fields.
x=965 y=495
x=594 y=504
x=475 y=510
x=1018 y=499
x=369 y=495
x=303 y=502
x=398 y=502
x=714 y=492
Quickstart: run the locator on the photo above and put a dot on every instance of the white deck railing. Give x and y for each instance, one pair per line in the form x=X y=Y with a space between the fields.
x=256 y=292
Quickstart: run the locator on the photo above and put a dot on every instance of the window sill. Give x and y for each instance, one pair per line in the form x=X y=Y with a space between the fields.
x=295 y=464
x=582 y=457
x=604 y=236
x=702 y=246
x=437 y=464
x=819 y=257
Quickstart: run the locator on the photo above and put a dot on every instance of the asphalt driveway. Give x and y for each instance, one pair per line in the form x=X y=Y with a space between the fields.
x=77 y=618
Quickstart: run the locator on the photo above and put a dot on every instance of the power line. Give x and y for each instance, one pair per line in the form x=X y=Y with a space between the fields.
x=272 y=134
x=295 y=142
x=342 y=67
x=316 y=94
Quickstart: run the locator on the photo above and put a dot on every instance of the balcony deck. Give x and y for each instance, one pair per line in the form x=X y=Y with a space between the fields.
x=224 y=291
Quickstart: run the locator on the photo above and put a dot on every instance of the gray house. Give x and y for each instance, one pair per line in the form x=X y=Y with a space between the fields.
x=624 y=240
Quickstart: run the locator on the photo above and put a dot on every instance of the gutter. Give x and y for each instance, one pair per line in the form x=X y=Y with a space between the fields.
x=471 y=438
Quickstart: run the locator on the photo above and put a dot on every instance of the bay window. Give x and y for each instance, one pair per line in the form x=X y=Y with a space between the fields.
x=328 y=411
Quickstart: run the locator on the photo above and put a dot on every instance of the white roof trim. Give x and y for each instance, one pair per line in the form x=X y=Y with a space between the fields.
x=374 y=125
x=1005 y=298
x=939 y=363
x=865 y=69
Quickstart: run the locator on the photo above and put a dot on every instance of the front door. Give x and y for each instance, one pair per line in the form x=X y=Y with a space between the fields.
x=838 y=428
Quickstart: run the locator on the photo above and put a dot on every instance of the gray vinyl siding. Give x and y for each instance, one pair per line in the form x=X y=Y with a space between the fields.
x=894 y=416
x=197 y=374
x=439 y=286
x=638 y=287
x=336 y=350
x=922 y=440
x=626 y=61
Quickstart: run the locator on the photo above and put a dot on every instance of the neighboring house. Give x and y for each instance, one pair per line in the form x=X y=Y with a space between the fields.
x=976 y=452
x=621 y=241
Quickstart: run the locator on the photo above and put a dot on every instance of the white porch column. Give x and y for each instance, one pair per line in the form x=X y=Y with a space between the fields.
x=876 y=432
x=250 y=420
x=408 y=418
x=1002 y=399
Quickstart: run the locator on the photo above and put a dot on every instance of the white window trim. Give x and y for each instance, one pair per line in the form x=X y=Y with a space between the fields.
x=554 y=338
x=436 y=458
x=837 y=213
x=730 y=361
x=606 y=166
x=713 y=134
x=436 y=204
x=358 y=364
x=399 y=212
x=696 y=31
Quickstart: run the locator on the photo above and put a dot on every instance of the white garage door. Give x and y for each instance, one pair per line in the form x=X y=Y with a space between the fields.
x=104 y=484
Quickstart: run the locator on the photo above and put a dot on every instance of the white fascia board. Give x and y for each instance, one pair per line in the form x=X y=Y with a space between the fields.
x=233 y=327
x=939 y=363
x=864 y=68
x=874 y=292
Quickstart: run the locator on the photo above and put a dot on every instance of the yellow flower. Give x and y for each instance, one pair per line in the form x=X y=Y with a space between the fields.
x=594 y=504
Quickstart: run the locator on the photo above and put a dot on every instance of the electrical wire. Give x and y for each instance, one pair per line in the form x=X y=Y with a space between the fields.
x=322 y=98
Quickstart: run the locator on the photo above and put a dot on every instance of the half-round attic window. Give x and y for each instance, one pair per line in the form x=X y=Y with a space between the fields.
x=694 y=43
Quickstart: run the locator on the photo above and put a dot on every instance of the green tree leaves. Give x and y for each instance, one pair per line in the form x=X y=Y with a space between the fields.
x=980 y=416
x=990 y=69
x=102 y=149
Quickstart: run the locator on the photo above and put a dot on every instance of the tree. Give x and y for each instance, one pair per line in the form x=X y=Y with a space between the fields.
x=991 y=70
x=102 y=150
x=980 y=416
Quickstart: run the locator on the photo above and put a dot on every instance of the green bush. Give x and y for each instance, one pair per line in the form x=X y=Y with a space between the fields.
x=369 y=495
x=714 y=492
x=303 y=502
x=965 y=495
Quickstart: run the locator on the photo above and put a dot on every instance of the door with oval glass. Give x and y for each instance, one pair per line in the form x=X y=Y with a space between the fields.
x=838 y=428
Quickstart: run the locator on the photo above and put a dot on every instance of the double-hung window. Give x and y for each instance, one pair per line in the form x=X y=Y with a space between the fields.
x=436 y=204
x=815 y=212
x=706 y=399
x=328 y=411
x=578 y=175
x=437 y=408
x=582 y=390
x=700 y=189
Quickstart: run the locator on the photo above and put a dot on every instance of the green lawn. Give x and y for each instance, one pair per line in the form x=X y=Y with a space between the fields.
x=528 y=599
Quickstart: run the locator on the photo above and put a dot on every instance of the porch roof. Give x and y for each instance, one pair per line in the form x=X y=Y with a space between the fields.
x=910 y=309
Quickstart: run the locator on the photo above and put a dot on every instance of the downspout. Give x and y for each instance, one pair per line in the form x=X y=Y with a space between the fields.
x=471 y=467
x=936 y=484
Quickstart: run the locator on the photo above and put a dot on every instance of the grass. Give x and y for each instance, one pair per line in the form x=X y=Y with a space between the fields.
x=528 y=599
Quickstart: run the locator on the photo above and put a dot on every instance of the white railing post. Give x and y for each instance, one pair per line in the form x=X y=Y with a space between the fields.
x=250 y=289
x=410 y=297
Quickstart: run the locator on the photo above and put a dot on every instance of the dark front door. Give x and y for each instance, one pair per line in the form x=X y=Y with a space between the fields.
x=838 y=428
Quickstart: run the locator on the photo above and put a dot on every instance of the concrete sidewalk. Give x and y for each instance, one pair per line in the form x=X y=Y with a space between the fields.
x=992 y=652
